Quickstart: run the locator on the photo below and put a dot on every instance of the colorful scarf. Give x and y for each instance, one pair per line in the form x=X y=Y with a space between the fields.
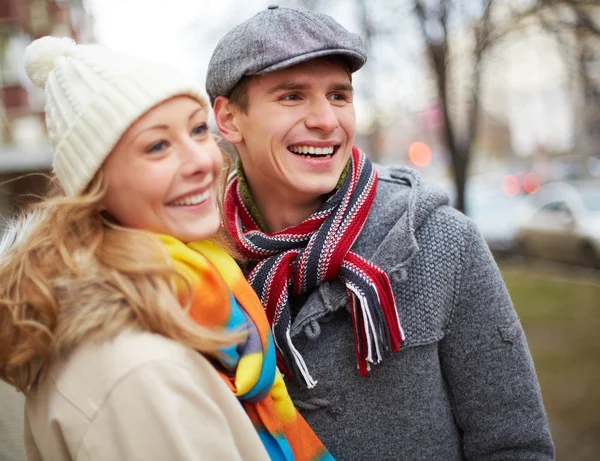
x=221 y=297
x=297 y=259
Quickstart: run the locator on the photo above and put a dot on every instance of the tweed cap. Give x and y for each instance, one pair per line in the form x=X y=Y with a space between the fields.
x=277 y=38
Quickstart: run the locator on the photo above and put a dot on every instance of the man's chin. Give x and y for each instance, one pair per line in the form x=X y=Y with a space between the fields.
x=316 y=189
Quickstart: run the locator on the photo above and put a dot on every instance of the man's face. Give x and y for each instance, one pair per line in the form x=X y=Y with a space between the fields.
x=298 y=132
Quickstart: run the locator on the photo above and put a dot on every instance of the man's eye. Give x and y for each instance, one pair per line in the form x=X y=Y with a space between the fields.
x=338 y=97
x=290 y=97
x=200 y=130
x=157 y=147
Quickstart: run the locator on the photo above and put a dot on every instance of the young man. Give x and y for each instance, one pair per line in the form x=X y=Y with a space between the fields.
x=354 y=262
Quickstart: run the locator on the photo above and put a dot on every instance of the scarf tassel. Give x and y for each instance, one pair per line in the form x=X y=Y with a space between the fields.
x=298 y=259
x=299 y=364
x=374 y=338
x=388 y=306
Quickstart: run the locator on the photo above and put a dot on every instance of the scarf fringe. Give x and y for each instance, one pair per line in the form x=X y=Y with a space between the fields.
x=296 y=260
x=300 y=364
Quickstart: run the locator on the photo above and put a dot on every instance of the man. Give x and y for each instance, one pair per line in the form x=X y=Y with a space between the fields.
x=355 y=262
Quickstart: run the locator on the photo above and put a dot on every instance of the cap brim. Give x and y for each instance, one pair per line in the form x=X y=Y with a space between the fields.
x=354 y=59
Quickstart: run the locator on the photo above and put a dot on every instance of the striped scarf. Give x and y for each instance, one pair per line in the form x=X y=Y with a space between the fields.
x=297 y=259
x=221 y=297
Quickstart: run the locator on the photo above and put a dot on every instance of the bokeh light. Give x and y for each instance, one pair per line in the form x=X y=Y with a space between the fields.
x=531 y=183
x=419 y=154
x=510 y=185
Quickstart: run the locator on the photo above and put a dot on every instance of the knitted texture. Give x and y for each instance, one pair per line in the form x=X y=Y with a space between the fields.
x=93 y=95
x=463 y=387
x=222 y=298
x=297 y=259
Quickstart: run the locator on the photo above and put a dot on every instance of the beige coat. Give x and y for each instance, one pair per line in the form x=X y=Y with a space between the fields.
x=139 y=397
x=11 y=424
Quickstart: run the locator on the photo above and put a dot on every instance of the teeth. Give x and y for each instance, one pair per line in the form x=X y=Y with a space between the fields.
x=312 y=150
x=192 y=199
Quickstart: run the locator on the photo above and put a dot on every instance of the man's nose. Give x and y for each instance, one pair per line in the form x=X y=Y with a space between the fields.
x=321 y=115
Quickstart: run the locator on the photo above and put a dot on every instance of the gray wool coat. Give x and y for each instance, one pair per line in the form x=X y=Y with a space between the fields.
x=463 y=386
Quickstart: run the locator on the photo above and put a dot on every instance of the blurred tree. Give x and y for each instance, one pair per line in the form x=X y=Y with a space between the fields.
x=368 y=29
x=488 y=23
x=577 y=31
x=446 y=24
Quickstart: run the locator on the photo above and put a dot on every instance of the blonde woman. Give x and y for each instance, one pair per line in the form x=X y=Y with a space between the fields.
x=123 y=320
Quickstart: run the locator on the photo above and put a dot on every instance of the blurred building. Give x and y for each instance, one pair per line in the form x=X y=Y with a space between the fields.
x=24 y=147
x=587 y=47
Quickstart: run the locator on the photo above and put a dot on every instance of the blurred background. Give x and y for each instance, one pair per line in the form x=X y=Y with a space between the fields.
x=496 y=101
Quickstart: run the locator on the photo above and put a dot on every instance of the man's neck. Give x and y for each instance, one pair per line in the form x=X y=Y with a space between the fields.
x=279 y=212
x=274 y=211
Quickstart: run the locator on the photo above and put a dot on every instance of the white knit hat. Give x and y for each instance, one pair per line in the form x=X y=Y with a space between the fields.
x=93 y=95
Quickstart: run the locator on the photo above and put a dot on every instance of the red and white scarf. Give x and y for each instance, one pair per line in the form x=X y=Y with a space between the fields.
x=297 y=259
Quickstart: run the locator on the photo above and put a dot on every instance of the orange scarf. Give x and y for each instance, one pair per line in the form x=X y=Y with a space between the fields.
x=223 y=298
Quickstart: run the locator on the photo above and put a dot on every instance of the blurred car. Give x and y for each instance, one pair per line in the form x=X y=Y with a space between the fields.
x=565 y=225
x=497 y=216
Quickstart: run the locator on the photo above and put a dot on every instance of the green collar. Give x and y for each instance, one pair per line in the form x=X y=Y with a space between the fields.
x=249 y=201
x=247 y=196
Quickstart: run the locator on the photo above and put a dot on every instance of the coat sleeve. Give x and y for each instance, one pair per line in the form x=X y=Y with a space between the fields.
x=31 y=449
x=492 y=382
x=159 y=412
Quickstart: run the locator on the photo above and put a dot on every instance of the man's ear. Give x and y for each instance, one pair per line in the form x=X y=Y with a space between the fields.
x=225 y=117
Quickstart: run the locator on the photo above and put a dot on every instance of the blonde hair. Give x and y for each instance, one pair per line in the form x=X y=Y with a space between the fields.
x=77 y=276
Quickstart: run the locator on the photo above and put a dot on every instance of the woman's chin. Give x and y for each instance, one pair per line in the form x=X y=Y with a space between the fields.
x=196 y=230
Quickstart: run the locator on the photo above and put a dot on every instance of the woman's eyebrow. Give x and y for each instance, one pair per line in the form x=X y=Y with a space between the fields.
x=155 y=127
x=164 y=127
x=194 y=113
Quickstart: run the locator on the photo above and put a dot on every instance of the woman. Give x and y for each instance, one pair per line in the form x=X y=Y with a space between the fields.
x=92 y=327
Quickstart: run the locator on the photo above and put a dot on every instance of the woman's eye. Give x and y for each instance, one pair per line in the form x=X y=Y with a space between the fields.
x=200 y=130
x=156 y=147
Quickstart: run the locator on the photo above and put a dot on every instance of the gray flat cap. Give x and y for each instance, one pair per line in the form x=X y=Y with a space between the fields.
x=277 y=38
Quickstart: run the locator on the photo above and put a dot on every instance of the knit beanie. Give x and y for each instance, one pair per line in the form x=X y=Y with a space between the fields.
x=93 y=95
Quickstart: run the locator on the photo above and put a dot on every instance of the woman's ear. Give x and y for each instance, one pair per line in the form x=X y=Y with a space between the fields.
x=225 y=114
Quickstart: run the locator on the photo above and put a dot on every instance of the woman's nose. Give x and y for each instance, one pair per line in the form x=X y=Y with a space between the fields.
x=199 y=158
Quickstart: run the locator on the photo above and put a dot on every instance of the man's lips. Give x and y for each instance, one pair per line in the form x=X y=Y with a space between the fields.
x=314 y=149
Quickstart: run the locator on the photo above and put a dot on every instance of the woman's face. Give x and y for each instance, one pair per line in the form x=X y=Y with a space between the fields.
x=163 y=174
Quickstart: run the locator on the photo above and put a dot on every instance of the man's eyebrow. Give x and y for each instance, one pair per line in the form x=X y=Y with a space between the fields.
x=342 y=87
x=288 y=86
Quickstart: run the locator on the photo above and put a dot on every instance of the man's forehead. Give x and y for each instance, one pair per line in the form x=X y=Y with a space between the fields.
x=300 y=84
x=305 y=76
